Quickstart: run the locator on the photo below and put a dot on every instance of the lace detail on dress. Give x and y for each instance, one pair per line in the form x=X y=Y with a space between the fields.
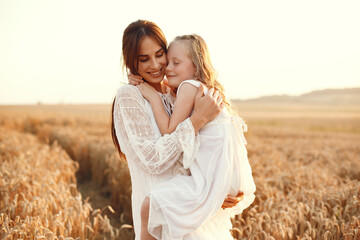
x=190 y=145
x=140 y=141
x=167 y=105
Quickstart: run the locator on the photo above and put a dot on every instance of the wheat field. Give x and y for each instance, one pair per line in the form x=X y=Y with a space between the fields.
x=61 y=177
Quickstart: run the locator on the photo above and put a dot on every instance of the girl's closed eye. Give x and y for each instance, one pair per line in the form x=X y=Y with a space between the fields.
x=143 y=59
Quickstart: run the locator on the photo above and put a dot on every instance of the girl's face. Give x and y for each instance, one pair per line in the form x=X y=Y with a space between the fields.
x=180 y=66
x=151 y=61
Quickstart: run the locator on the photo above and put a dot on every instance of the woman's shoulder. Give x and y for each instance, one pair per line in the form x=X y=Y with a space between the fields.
x=128 y=89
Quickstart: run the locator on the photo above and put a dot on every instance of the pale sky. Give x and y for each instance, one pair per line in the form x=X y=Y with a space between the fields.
x=69 y=51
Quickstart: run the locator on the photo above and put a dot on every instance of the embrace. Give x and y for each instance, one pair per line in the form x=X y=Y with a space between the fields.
x=182 y=140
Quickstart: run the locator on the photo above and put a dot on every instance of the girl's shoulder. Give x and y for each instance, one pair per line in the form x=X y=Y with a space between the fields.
x=193 y=82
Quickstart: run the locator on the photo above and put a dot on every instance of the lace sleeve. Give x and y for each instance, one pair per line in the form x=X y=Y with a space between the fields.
x=155 y=154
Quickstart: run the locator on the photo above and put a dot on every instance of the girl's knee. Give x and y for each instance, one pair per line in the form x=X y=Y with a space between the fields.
x=145 y=208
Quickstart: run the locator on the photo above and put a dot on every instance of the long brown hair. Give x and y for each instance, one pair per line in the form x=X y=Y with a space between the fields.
x=132 y=37
x=205 y=72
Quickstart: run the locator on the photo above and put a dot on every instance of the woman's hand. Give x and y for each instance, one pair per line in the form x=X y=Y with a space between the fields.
x=135 y=79
x=231 y=201
x=147 y=91
x=206 y=108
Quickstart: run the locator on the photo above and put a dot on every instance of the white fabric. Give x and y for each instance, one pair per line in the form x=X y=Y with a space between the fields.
x=182 y=204
x=153 y=158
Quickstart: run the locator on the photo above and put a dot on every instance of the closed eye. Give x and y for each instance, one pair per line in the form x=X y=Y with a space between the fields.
x=160 y=55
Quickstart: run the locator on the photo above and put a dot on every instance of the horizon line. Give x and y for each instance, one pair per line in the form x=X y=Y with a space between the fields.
x=106 y=103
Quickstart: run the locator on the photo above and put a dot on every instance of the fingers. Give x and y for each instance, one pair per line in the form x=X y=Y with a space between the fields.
x=200 y=92
x=210 y=92
x=214 y=94
x=222 y=106
x=219 y=100
x=240 y=194
x=134 y=82
x=217 y=97
x=135 y=79
x=233 y=199
x=228 y=204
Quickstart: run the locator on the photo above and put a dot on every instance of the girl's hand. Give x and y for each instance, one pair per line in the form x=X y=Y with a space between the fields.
x=147 y=91
x=166 y=82
x=231 y=201
x=135 y=79
x=172 y=89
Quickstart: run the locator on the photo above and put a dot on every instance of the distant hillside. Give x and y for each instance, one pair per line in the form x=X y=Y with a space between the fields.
x=326 y=96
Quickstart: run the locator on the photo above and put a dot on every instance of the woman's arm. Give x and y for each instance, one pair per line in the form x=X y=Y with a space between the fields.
x=182 y=109
x=138 y=138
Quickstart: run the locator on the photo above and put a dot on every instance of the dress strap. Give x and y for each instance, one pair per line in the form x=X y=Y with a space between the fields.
x=195 y=83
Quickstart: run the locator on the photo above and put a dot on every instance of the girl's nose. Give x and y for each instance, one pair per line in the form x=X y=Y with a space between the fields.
x=168 y=67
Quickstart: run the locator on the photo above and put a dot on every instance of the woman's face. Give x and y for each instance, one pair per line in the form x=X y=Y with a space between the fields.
x=180 y=66
x=151 y=61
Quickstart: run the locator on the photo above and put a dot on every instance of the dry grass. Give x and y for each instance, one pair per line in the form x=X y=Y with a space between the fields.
x=305 y=160
x=308 y=186
x=39 y=197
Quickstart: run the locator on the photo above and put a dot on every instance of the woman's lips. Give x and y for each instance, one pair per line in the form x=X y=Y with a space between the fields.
x=156 y=74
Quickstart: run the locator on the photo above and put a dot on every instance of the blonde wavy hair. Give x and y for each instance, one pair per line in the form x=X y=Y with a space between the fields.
x=205 y=72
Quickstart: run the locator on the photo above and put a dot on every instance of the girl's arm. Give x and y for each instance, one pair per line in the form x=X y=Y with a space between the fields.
x=182 y=109
x=137 y=135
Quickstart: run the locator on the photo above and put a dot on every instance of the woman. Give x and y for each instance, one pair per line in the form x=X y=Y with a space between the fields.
x=153 y=158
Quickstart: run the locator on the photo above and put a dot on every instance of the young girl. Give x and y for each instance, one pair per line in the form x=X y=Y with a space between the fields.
x=220 y=167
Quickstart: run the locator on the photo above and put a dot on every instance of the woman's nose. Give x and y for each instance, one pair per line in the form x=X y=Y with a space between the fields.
x=154 y=63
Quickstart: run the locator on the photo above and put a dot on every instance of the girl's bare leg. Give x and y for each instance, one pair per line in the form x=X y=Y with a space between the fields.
x=145 y=220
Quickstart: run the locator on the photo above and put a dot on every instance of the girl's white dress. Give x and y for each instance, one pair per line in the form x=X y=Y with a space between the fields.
x=153 y=158
x=182 y=204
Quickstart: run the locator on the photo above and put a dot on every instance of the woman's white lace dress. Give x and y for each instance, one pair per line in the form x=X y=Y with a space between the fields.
x=221 y=167
x=153 y=158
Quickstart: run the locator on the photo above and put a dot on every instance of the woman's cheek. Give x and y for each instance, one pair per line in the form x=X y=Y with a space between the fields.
x=164 y=60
